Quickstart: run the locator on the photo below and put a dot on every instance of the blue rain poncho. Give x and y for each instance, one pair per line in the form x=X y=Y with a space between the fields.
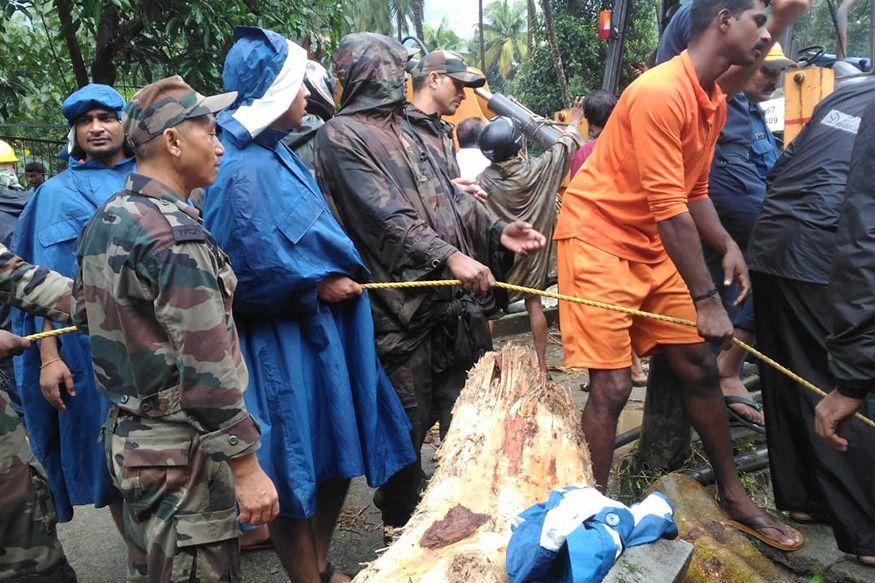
x=325 y=405
x=67 y=442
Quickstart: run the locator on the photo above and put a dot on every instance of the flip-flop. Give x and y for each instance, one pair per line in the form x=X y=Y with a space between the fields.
x=753 y=524
x=259 y=546
x=736 y=418
x=807 y=518
x=325 y=576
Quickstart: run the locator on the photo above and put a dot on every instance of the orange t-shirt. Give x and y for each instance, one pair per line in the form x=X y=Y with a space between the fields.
x=653 y=156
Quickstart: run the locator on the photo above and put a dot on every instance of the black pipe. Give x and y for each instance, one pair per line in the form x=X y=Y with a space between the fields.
x=534 y=127
x=627 y=437
x=746 y=463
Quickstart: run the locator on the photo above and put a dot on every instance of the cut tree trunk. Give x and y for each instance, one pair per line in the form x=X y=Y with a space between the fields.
x=665 y=430
x=511 y=442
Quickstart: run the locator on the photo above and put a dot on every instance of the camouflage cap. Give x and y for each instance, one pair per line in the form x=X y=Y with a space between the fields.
x=167 y=103
x=449 y=64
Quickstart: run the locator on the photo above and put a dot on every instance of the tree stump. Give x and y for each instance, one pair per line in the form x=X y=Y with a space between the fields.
x=665 y=428
x=510 y=443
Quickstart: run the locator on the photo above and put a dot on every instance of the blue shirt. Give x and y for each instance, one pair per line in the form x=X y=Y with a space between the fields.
x=747 y=135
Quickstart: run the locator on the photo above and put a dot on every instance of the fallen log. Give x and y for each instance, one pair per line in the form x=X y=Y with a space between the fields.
x=510 y=443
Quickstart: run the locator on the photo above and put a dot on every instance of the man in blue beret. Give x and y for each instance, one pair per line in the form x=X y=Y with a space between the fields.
x=63 y=409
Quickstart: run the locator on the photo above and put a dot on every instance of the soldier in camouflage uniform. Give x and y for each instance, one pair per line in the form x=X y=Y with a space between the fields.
x=156 y=292
x=410 y=222
x=29 y=546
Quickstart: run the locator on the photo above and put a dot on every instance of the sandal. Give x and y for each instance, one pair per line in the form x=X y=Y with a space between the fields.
x=807 y=518
x=735 y=418
x=330 y=571
x=753 y=526
x=259 y=546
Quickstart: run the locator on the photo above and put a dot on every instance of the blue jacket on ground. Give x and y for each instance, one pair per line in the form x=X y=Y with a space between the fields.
x=67 y=442
x=325 y=405
x=578 y=534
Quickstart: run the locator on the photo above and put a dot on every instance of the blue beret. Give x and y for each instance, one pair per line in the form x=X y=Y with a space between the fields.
x=91 y=96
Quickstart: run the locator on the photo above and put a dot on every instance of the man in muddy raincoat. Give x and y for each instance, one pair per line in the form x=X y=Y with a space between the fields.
x=410 y=223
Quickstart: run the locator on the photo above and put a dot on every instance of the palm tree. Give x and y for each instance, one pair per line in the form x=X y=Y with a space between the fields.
x=384 y=16
x=416 y=11
x=554 y=48
x=531 y=23
x=480 y=34
x=441 y=38
x=505 y=35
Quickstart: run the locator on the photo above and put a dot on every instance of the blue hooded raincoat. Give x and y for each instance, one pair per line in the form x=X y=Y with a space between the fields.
x=325 y=405
x=67 y=442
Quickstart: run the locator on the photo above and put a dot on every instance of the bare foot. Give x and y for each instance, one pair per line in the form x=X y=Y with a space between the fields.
x=868 y=560
x=731 y=385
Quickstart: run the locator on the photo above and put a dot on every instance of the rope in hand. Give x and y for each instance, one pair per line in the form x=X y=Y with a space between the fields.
x=592 y=303
x=615 y=308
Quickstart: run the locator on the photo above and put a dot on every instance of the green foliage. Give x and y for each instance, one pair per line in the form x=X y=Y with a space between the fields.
x=156 y=38
x=583 y=55
x=816 y=28
x=504 y=34
x=380 y=16
x=442 y=38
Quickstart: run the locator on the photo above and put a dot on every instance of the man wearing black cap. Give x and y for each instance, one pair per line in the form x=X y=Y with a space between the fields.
x=439 y=80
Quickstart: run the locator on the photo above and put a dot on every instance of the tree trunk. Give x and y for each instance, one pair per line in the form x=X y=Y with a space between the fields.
x=399 y=24
x=554 y=48
x=106 y=45
x=511 y=442
x=65 y=15
x=480 y=31
x=665 y=430
x=531 y=17
x=416 y=6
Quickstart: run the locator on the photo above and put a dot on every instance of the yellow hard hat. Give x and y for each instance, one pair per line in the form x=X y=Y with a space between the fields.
x=7 y=154
x=776 y=58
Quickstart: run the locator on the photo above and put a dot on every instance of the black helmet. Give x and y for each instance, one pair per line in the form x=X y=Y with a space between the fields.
x=501 y=139
x=321 y=86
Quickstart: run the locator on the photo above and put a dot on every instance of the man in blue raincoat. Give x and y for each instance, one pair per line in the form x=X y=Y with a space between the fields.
x=326 y=407
x=63 y=409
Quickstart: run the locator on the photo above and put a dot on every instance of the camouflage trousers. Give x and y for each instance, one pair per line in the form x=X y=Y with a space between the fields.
x=29 y=546
x=180 y=511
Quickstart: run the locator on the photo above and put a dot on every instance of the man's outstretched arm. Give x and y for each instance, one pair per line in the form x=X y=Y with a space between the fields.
x=34 y=289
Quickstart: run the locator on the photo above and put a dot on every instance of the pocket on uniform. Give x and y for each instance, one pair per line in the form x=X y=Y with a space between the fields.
x=297 y=219
x=151 y=466
x=203 y=528
x=58 y=232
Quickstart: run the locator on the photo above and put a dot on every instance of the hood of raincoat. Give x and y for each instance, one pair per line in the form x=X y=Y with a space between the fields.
x=370 y=68
x=266 y=70
x=91 y=96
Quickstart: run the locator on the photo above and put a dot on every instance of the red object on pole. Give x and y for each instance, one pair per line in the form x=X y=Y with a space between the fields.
x=605 y=24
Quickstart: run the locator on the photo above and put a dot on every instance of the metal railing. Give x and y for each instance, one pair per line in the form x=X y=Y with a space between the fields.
x=36 y=143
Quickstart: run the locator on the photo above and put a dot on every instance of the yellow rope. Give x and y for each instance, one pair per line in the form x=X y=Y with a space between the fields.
x=615 y=308
x=50 y=333
x=561 y=297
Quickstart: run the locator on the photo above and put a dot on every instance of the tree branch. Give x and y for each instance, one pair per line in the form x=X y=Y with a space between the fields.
x=65 y=15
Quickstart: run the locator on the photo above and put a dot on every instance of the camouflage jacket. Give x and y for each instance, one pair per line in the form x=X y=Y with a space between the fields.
x=437 y=136
x=156 y=291
x=33 y=288
x=393 y=197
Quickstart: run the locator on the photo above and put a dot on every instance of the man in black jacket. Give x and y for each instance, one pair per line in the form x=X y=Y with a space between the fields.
x=813 y=266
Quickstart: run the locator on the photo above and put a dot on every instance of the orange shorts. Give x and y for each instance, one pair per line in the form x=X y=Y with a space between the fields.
x=601 y=339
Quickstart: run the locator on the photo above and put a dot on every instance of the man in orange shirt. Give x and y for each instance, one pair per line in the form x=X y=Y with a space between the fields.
x=629 y=233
